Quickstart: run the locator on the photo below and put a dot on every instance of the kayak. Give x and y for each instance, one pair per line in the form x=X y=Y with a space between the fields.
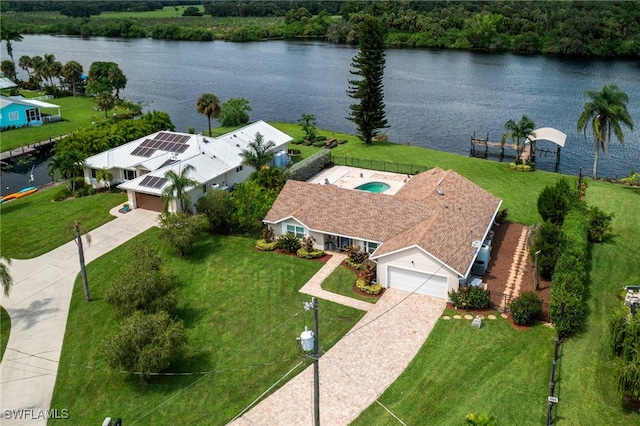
x=22 y=193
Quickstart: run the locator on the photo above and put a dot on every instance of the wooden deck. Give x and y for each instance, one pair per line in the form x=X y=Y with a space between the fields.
x=524 y=156
x=8 y=156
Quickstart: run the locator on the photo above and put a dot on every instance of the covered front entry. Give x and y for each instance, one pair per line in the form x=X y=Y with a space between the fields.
x=418 y=282
x=149 y=202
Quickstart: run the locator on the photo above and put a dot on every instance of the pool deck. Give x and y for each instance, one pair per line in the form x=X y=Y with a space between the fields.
x=352 y=177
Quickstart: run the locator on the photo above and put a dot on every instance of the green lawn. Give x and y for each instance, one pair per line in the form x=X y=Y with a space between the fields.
x=243 y=313
x=341 y=282
x=5 y=328
x=461 y=369
x=77 y=113
x=34 y=225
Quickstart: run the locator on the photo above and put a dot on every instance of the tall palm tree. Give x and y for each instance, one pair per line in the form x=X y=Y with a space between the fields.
x=9 y=35
x=26 y=64
x=518 y=133
x=605 y=112
x=5 y=278
x=51 y=68
x=72 y=71
x=179 y=182
x=257 y=153
x=209 y=105
x=105 y=176
x=78 y=231
x=69 y=165
x=39 y=70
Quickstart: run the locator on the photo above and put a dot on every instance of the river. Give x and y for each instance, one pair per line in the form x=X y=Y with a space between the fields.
x=434 y=98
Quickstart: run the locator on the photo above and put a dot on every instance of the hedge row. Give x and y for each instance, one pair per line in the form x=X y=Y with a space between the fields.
x=569 y=282
x=311 y=166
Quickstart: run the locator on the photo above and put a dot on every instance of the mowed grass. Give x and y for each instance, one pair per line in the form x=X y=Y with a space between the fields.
x=461 y=369
x=587 y=389
x=34 y=225
x=5 y=330
x=77 y=113
x=243 y=313
x=341 y=281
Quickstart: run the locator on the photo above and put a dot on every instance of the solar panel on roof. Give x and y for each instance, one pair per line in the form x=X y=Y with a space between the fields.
x=182 y=148
x=162 y=135
x=184 y=138
x=159 y=182
x=138 y=151
x=164 y=146
x=145 y=181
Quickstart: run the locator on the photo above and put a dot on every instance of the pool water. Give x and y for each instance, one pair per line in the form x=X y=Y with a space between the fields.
x=376 y=187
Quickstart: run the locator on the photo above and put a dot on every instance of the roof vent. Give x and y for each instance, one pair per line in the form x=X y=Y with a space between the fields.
x=440 y=181
x=440 y=191
x=238 y=145
x=205 y=140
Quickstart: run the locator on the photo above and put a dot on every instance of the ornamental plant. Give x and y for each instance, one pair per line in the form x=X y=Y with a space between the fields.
x=525 y=308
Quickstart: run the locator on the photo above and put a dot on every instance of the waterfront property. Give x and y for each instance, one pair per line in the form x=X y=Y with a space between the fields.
x=428 y=238
x=20 y=112
x=140 y=166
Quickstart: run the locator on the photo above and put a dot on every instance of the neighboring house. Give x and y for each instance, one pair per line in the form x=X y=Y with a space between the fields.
x=140 y=166
x=426 y=238
x=20 y=112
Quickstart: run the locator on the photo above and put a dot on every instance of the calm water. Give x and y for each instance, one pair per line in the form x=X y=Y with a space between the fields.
x=434 y=99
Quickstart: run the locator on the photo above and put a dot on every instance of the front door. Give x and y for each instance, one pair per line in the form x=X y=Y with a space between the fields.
x=344 y=242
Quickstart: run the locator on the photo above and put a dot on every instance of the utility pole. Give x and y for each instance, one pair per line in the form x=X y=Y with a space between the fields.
x=316 y=369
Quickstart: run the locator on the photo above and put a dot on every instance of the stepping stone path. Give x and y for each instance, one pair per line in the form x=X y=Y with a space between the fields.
x=491 y=317
x=446 y=317
x=517 y=268
x=468 y=316
x=505 y=316
x=457 y=317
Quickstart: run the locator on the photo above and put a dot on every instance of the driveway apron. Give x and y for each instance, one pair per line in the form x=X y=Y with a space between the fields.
x=38 y=307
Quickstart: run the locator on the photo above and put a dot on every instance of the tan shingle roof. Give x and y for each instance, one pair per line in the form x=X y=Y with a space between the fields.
x=418 y=215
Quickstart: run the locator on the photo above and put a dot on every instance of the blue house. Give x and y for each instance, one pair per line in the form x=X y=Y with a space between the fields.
x=20 y=112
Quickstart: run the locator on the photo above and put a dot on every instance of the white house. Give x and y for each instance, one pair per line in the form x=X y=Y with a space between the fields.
x=140 y=166
x=426 y=238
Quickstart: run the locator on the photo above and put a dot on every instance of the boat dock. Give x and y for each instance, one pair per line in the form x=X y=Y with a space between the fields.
x=480 y=148
x=9 y=156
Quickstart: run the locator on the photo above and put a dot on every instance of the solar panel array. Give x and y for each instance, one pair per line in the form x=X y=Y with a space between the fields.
x=153 y=181
x=164 y=142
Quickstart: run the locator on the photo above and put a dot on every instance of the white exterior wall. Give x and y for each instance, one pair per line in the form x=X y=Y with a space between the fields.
x=422 y=262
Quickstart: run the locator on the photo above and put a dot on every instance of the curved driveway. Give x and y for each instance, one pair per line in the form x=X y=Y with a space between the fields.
x=38 y=307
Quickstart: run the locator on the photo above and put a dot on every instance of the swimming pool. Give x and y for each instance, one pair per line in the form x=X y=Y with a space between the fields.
x=376 y=187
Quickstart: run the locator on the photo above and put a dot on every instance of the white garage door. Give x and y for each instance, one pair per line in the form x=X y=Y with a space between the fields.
x=420 y=282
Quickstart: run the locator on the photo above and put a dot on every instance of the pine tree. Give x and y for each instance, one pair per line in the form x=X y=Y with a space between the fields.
x=368 y=114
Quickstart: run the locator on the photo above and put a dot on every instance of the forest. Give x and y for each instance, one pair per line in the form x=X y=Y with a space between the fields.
x=562 y=27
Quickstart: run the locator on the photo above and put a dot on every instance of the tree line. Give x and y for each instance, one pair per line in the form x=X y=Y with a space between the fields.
x=604 y=29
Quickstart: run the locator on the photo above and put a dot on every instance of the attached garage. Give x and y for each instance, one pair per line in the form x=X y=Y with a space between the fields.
x=149 y=202
x=418 y=281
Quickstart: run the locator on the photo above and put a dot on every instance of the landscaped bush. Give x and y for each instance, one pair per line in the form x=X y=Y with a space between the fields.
x=555 y=201
x=525 y=308
x=310 y=166
x=470 y=297
x=372 y=288
x=182 y=230
x=599 y=224
x=355 y=255
x=217 y=207
x=549 y=240
x=61 y=194
x=307 y=249
x=264 y=245
x=289 y=243
x=521 y=167
x=501 y=217
x=568 y=311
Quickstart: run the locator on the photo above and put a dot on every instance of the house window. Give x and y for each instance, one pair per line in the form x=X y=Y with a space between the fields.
x=370 y=247
x=32 y=115
x=238 y=169
x=298 y=231
x=94 y=173
x=129 y=174
x=14 y=116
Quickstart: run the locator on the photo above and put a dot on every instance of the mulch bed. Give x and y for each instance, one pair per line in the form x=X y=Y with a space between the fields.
x=323 y=259
x=504 y=244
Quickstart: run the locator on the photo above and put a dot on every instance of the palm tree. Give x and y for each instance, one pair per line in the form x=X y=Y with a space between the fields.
x=606 y=110
x=257 y=153
x=105 y=101
x=26 y=64
x=104 y=175
x=5 y=278
x=209 y=105
x=518 y=133
x=51 y=68
x=8 y=69
x=178 y=187
x=9 y=35
x=69 y=165
x=72 y=71
x=78 y=230
x=38 y=69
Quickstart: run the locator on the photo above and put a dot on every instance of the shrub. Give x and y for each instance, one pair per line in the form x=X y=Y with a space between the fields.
x=555 y=201
x=61 y=194
x=309 y=167
x=470 y=297
x=318 y=144
x=525 y=308
x=181 y=230
x=265 y=245
x=521 y=167
x=147 y=343
x=289 y=243
x=568 y=311
x=501 y=217
x=549 y=240
x=368 y=288
x=310 y=254
x=268 y=235
x=217 y=207
x=355 y=254
x=599 y=224
x=234 y=112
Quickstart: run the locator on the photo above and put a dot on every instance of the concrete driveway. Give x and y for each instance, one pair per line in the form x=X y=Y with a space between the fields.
x=38 y=307
x=358 y=368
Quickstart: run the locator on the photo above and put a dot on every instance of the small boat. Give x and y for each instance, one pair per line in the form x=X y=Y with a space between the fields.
x=22 y=193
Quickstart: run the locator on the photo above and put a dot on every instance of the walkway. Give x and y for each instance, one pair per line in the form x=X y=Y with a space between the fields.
x=359 y=367
x=514 y=281
x=39 y=306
